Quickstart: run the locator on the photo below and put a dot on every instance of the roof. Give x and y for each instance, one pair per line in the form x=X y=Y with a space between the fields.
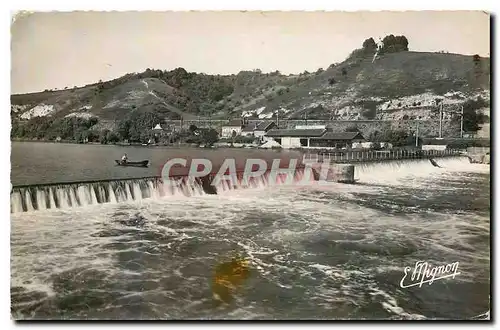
x=311 y=127
x=157 y=127
x=257 y=126
x=234 y=123
x=263 y=125
x=249 y=128
x=341 y=136
x=296 y=132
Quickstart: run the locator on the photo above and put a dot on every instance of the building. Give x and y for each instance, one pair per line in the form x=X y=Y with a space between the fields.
x=235 y=125
x=258 y=129
x=294 y=138
x=157 y=134
x=314 y=138
x=262 y=128
x=248 y=130
x=337 y=140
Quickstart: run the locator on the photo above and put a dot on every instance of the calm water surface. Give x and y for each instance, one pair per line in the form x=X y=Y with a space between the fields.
x=39 y=163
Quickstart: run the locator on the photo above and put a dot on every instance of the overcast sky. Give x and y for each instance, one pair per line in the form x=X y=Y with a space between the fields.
x=55 y=50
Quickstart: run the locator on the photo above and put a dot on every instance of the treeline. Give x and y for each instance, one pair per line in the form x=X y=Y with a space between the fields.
x=134 y=128
x=391 y=44
x=72 y=128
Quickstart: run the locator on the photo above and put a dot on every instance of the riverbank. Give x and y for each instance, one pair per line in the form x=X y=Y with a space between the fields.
x=123 y=144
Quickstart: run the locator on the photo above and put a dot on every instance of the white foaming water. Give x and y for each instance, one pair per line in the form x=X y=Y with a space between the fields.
x=397 y=172
x=40 y=200
x=16 y=202
x=76 y=195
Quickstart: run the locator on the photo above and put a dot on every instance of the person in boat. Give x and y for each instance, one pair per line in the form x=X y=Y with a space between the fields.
x=124 y=159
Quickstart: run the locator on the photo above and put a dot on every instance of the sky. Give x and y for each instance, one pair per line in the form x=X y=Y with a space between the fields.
x=65 y=49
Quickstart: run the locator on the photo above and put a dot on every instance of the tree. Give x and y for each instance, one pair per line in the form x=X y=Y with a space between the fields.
x=376 y=146
x=344 y=72
x=233 y=136
x=397 y=138
x=209 y=136
x=137 y=125
x=112 y=137
x=394 y=44
x=123 y=129
x=92 y=136
x=375 y=136
x=192 y=128
x=369 y=45
x=103 y=136
x=331 y=81
x=472 y=119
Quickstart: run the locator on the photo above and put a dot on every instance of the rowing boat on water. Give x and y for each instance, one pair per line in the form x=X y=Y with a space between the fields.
x=143 y=163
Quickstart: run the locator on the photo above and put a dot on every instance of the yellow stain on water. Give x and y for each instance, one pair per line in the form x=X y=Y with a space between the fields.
x=228 y=277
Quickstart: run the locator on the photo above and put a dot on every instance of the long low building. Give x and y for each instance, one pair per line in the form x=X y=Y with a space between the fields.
x=314 y=138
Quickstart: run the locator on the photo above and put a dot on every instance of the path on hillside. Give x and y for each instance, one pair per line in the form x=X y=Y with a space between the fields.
x=168 y=106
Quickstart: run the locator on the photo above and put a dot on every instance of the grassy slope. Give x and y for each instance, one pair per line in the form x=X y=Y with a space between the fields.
x=391 y=76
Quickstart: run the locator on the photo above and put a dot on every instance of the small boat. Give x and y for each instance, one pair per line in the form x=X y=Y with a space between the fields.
x=143 y=163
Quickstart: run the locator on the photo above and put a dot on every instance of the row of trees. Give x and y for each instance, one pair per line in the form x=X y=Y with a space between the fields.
x=136 y=127
x=391 y=44
x=72 y=128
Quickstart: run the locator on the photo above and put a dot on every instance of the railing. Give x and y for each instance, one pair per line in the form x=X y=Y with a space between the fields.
x=375 y=155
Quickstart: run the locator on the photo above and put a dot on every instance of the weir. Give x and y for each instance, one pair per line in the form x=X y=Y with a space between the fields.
x=30 y=198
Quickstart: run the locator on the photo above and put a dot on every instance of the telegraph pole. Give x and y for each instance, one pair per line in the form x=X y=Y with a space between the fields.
x=416 y=135
x=462 y=122
x=441 y=121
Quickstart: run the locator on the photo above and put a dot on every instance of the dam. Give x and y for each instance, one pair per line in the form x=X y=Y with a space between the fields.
x=64 y=195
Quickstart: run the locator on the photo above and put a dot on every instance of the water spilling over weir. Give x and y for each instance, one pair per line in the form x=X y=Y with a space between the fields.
x=69 y=195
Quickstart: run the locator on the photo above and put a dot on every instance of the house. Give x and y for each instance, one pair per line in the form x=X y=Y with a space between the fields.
x=262 y=128
x=235 y=125
x=248 y=130
x=314 y=138
x=258 y=129
x=157 y=134
x=294 y=138
x=337 y=140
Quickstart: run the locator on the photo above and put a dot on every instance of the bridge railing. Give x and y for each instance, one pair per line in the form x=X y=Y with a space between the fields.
x=376 y=155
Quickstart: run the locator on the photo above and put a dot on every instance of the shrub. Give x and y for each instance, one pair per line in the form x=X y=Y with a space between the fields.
x=244 y=139
x=458 y=143
x=376 y=146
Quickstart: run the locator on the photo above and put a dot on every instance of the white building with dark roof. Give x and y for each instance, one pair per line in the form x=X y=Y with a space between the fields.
x=314 y=138
x=235 y=125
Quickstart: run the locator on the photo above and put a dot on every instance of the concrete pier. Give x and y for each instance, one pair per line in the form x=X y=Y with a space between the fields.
x=342 y=173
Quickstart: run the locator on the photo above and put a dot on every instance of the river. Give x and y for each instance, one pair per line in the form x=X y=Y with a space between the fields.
x=329 y=251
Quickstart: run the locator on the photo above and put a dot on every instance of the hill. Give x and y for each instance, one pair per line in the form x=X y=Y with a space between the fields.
x=396 y=85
